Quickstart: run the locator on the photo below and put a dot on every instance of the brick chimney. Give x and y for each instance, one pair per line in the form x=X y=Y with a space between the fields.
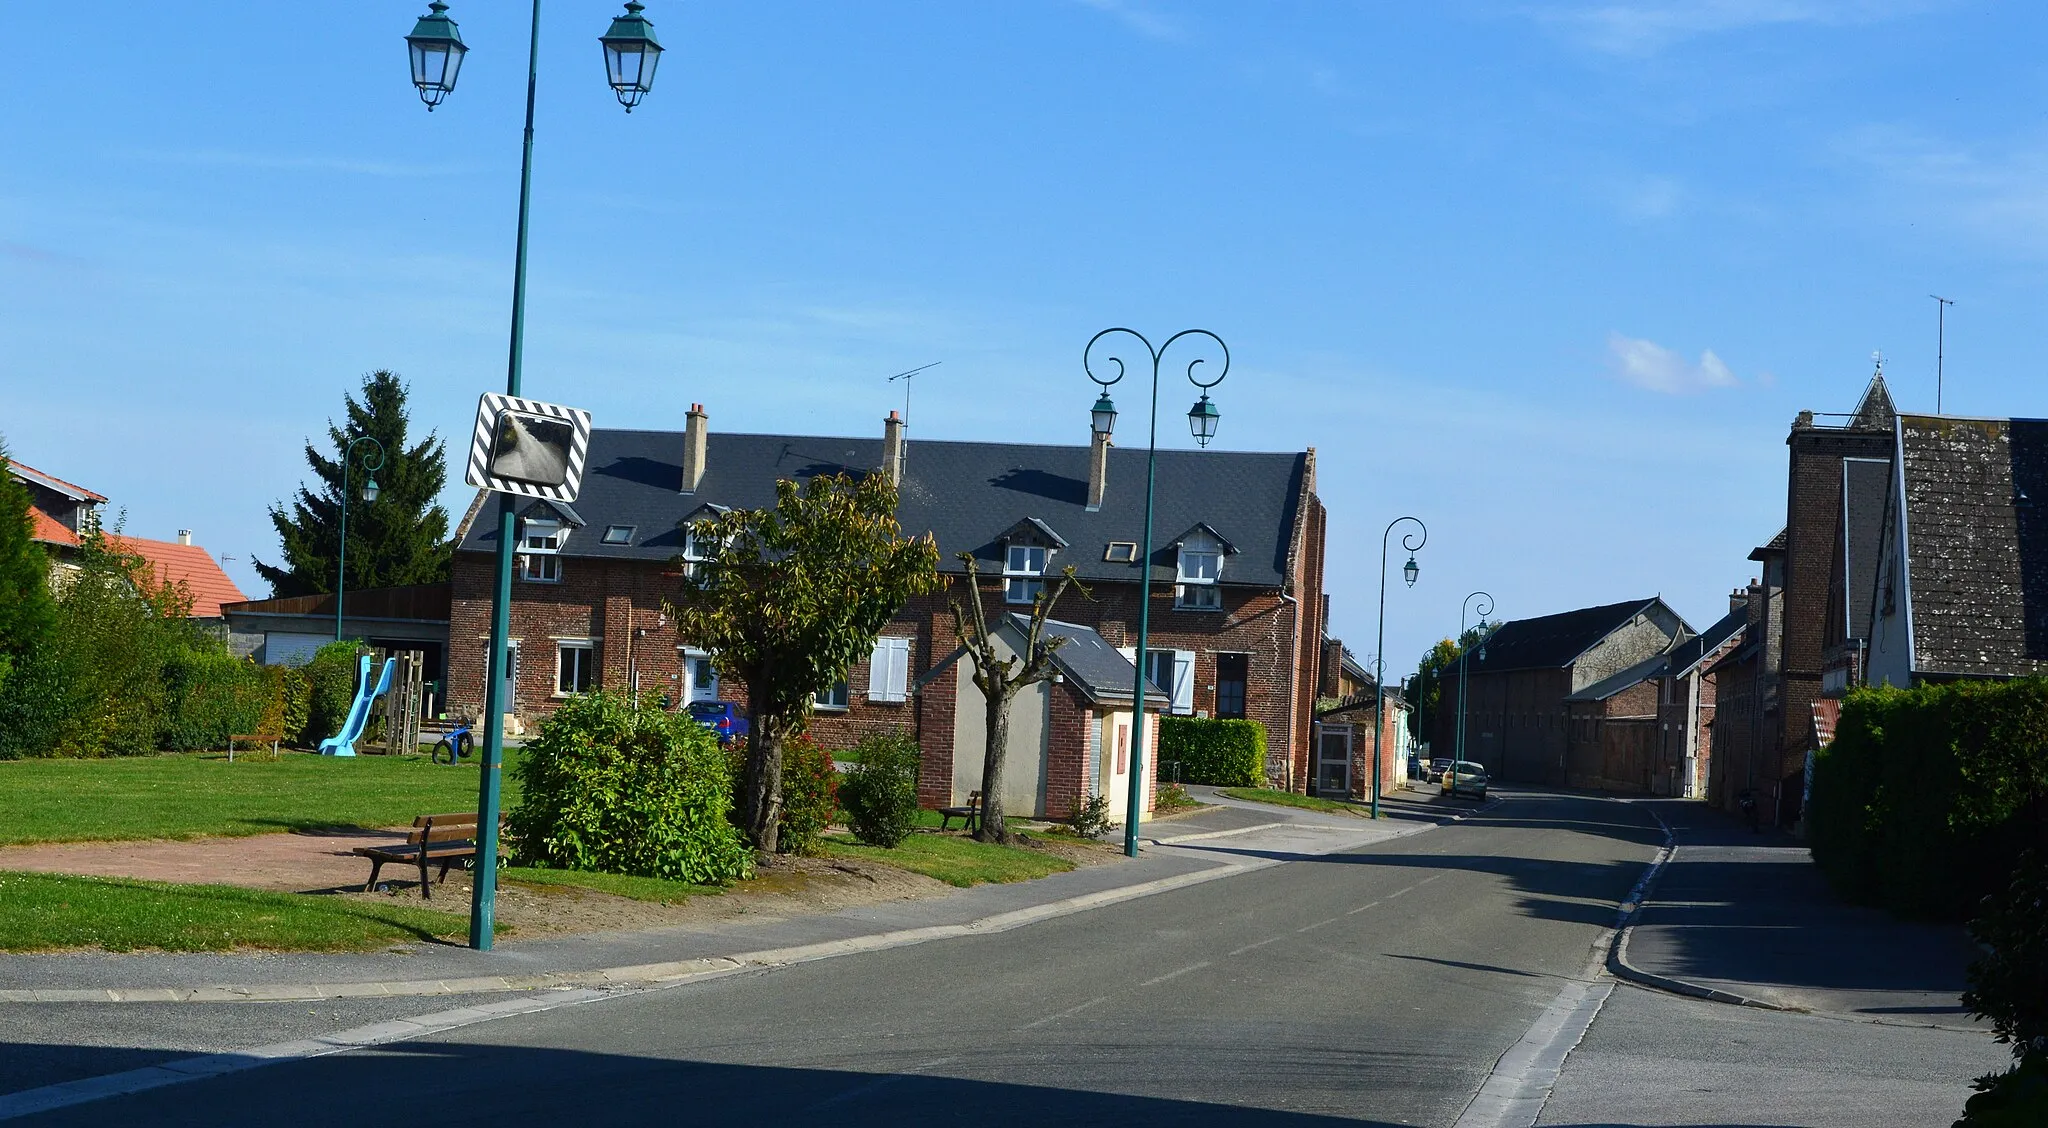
x=1738 y=600
x=695 y=426
x=892 y=448
x=184 y=536
x=1098 y=469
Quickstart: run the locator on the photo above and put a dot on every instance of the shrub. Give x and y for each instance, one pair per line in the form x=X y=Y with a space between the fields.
x=331 y=679
x=2017 y=1098
x=810 y=796
x=1225 y=753
x=1927 y=795
x=295 y=703
x=211 y=695
x=1091 y=817
x=616 y=786
x=880 y=796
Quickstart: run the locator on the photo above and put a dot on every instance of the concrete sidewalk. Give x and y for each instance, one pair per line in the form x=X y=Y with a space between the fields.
x=1747 y=916
x=663 y=955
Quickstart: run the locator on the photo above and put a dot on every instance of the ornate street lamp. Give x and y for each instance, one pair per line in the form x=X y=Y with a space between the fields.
x=437 y=52
x=1409 y=572
x=630 y=55
x=1202 y=421
x=1465 y=664
x=374 y=461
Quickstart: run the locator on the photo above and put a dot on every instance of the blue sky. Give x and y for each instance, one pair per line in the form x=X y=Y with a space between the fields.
x=1553 y=277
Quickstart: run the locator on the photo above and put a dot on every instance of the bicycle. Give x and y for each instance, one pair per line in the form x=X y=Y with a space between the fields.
x=455 y=744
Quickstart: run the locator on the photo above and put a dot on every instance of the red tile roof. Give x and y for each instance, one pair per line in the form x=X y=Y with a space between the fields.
x=49 y=530
x=191 y=564
x=35 y=475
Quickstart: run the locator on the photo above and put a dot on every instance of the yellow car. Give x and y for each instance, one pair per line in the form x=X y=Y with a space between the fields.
x=1465 y=778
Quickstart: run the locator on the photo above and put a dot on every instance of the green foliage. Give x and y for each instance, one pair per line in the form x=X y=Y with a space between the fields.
x=401 y=538
x=2017 y=1098
x=1225 y=753
x=27 y=613
x=1169 y=798
x=810 y=796
x=1425 y=690
x=790 y=599
x=295 y=704
x=1092 y=816
x=621 y=787
x=331 y=680
x=2009 y=983
x=1926 y=796
x=210 y=695
x=880 y=796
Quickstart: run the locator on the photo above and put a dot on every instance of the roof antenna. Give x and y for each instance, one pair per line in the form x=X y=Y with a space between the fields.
x=905 y=377
x=1877 y=358
x=1940 y=341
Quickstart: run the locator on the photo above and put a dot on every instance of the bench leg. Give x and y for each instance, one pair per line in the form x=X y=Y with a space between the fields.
x=426 y=891
x=443 y=879
x=376 y=866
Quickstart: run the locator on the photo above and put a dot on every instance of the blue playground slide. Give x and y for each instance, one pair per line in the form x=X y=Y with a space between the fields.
x=344 y=743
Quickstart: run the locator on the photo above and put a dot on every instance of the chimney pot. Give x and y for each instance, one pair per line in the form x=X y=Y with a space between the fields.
x=184 y=536
x=695 y=432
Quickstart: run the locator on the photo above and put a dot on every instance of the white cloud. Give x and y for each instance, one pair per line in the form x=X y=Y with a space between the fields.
x=1644 y=27
x=1139 y=17
x=1647 y=364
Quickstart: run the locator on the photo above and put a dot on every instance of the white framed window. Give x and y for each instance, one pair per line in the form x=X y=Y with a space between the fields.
x=889 y=670
x=575 y=667
x=618 y=534
x=1201 y=565
x=700 y=678
x=540 y=542
x=833 y=699
x=1174 y=672
x=541 y=568
x=693 y=551
x=1024 y=572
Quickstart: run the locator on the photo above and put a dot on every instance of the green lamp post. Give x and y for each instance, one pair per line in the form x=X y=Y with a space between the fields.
x=437 y=51
x=1465 y=663
x=1202 y=420
x=1409 y=572
x=372 y=463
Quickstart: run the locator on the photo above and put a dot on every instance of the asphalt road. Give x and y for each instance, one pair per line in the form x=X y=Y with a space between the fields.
x=1380 y=985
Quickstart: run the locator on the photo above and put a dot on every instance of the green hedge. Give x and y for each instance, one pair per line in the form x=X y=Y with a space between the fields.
x=212 y=695
x=1926 y=796
x=1225 y=753
x=331 y=679
x=616 y=787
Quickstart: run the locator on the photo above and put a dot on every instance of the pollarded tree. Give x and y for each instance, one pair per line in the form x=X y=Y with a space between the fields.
x=400 y=538
x=787 y=600
x=1000 y=676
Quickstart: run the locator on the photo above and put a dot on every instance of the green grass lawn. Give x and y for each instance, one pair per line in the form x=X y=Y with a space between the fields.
x=41 y=911
x=655 y=889
x=955 y=861
x=201 y=793
x=1290 y=799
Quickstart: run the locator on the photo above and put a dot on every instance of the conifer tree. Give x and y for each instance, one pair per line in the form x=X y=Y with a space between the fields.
x=26 y=609
x=400 y=538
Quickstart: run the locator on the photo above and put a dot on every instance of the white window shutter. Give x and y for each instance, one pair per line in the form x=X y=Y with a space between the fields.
x=878 y=671
x=889 y=670
x=1183 y=681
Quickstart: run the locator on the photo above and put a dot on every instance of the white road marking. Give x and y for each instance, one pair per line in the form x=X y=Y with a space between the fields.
x=1174 y=974
x=1514 y=1093
x=1068 y=1013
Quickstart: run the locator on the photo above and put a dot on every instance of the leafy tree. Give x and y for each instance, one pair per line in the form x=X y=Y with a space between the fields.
x=401 y=538
x=1425 y=692
x=789 y=600
x=27 y=612
x=1000 y=676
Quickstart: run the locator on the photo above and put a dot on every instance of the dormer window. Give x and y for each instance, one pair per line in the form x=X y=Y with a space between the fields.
x=1024 y=572
x=1201 y=565
x=540 y=545
x=693 y=551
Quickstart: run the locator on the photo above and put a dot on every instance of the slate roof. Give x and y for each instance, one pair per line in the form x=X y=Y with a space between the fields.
x=1698 y=648
x=1553 y=640
x=1976 y=502
x=1775 y=545
x=965 y=493
x=1622 y=679
x=1095 y=667
x=1865 y=483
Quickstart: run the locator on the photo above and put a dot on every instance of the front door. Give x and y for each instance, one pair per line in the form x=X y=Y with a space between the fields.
x=1333 y=760
x=508 y=690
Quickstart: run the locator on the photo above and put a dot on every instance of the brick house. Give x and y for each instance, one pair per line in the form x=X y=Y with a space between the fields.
x=1344 y=743
x=1746 y=726
x=1644 y=729
x=1521 y=723
x=1237 y=573
x=61 y=514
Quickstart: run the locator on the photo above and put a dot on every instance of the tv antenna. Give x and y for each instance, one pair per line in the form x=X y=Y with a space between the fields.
x=1877 y=358
x=905 y=377
x=1940 y=341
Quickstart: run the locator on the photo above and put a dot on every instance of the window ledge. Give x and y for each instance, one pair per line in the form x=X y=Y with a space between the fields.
x=828 y=709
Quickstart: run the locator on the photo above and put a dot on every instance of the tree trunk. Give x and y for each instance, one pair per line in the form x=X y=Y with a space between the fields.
x=998 y=745
x=761 y=787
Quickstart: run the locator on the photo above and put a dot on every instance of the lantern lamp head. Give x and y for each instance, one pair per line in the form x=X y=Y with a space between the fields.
x=630 y=54
x=370 y=490
x=437 y=51
x=1102 y=418
x=1410 y=570
x=1202 y=419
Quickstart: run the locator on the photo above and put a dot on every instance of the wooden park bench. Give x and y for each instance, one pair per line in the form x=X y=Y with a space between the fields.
x=969 y=814
x=445 y=839
x=271 y=738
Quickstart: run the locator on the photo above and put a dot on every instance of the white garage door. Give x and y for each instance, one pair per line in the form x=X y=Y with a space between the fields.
x=284 y=649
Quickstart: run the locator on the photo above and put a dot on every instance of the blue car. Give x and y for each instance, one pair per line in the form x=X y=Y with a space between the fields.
x=720 y=717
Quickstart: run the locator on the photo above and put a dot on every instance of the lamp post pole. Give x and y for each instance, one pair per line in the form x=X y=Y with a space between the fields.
x=1464 y=663
x=1379 y=676
x=348 y=454
x=1202 y=419
x=631 y=53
